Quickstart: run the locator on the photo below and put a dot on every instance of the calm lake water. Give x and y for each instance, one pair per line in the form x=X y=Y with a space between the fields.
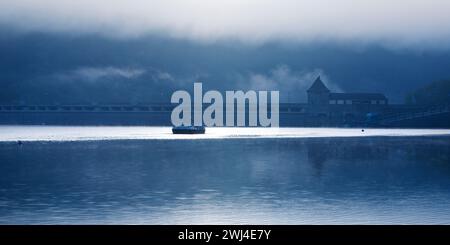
x=243 y=180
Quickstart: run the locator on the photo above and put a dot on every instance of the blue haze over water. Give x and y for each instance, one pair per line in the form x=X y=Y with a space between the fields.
x=74 y=65
x=360 y=180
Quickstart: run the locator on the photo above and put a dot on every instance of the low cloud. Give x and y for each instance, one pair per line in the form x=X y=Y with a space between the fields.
x=93 y=74
x=291 y=84
x=102 y=84
x=396 y=23
x=165 y=76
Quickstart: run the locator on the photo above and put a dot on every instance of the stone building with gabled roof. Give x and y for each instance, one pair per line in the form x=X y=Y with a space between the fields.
x=326 y=107
x=319 y=94
x=357 y=98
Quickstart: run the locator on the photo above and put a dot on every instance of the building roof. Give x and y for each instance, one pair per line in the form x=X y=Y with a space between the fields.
x=357 y=96
x=318 y=86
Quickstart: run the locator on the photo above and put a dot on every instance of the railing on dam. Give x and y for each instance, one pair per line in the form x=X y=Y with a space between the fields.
x=425 y=112
x=283 y=108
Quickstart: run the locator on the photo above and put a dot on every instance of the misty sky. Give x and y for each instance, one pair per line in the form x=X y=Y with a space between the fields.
x=136 y=51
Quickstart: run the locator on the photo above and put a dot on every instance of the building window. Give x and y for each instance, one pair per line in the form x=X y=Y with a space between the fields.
x=382 y=102
x=373 y=102
x=332 y=102
x=340 y=102
x=348 y=102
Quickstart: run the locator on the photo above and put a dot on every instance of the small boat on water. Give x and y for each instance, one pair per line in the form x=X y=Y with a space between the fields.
x=188 y=130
